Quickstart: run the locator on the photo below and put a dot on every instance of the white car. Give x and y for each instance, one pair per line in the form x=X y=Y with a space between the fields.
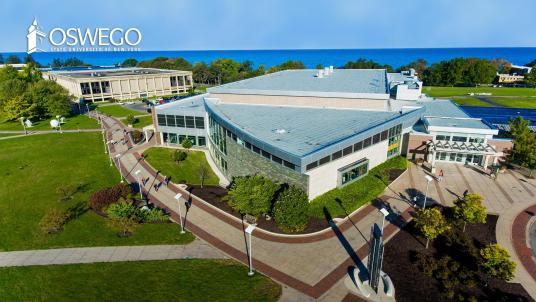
x=130 y=103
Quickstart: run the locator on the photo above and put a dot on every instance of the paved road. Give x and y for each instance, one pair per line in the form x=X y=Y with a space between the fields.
x=196 y=249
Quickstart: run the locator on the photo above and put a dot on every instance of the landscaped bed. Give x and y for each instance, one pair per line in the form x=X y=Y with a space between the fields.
x=33 y=170
x=411 y=284
x=169 y=280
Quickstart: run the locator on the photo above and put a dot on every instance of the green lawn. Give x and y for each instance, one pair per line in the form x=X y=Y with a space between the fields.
x=169 y=280
x=344 y=200
x=71 y=123
x=33 y=167
x=8 y=134
x=118 y=111
x=141 y=121
x=464 y=91
x=470 y=101
x=519 y=102
x=188 y=170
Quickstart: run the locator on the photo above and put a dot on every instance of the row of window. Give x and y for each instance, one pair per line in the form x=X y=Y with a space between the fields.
x=457 y=138
x=354 y=172
x=460 y=157
x=95 y=87
x=181 y=121
x=174 y=138
x=219 y=135
x=180 y=80
x=393 y=134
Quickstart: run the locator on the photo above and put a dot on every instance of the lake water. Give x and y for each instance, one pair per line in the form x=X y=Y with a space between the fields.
x=310 y=57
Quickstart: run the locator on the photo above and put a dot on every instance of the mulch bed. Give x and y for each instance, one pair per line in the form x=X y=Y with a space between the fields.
x=214 y=195
x=394 y=173
x=412 y=285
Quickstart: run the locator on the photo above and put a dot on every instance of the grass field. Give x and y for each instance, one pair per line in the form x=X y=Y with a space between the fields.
x=470 y=101
x=464 y=91
x=71 y=123
x=141 y=121
x=8 y=134
x=117 y=111
x=518 y=102
x=161 y=159
x=32 y=168
x=169 y=280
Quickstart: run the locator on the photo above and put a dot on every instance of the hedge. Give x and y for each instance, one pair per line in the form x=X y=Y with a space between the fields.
x=358 y=193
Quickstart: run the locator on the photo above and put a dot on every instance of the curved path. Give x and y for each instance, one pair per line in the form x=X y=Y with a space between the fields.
x=311 y=264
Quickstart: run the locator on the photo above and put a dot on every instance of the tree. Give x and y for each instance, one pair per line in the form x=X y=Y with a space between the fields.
x=202 y=172
x=1 y=59
x=496 y=262
x=252 y=194
x=201 y=73
x=287 y=65
x=291 y=209
x=419 y=65
x=530 y=78
x=366 y=64
x=130 y=119
x=187 y=144
x=179 y=156
x=524 y=150
x=431 y=223
x=470 y=209
x=129 y=63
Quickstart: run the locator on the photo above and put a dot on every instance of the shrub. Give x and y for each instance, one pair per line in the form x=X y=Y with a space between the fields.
x=291 y=209
x=252 y=194
x=104 y=197
x=53 y=221
x=496 y=262
x=66 y=192
x=130 y=119
x=431 y=223
x=187 y=144
x=155 y=215
x=123 y=209
x=137 y=136
x=124 y=225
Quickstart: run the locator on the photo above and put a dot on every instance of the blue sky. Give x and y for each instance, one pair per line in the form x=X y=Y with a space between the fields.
x=285 y=24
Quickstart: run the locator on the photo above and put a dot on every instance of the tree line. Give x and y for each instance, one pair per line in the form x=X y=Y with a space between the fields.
x=27 y=94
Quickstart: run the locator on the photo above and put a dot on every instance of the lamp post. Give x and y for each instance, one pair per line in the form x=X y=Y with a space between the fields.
x=137 y=173
x=87 y=107
x=178 y=198
x=385 y=213
x=109 y=142
x=23 y=125
x=428 y=180
x=250 y=230
x=104 y=141
x=118 y=156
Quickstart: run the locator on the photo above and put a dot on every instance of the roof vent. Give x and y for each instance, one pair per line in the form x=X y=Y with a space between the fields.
x=320 y=74
x=326 y=70
x=280 y=131
x=330 y=68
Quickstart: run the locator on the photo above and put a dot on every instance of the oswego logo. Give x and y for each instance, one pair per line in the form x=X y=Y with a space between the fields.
x=88 y=39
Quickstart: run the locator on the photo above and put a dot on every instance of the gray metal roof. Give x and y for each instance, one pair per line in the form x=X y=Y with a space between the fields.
x=472 y=123
x=352 y=83
x=193 y=104
x=298 y=130
x=442 y=108
x=112 y=72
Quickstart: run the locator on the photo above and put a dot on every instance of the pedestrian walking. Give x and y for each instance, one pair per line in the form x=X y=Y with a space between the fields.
x=440 y=177
x=155 y=186
x=465 y=193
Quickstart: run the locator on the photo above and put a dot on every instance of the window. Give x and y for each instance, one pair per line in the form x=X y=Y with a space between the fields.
x=459 y=138
x=277 y=159
x=336 y=155
x=265 y=154
x=199 y=122
x=476 y=140
x=289 y=165
x=84 y=87
x=452 y=156
x=353 y=172
x=442 y=137
x=256 y=149
x=173 y=81
x=347 y=151
x=161 y=120
x=170 y=120
x=358 y=146
x=190 y=122
x=172 y=138
x=384 y=135
x=192 y=139
x=324 y=160
x=201 y=141
x=311 y=166
x=367 y=142
x=180 y=120
x=248 y=145
x=376 y=138
x=181 y=138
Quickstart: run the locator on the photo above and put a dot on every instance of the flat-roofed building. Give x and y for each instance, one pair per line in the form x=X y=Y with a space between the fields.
x=320 y=131
x=96 y=85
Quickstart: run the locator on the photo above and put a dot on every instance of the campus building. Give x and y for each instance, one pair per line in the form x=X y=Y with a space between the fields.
x=320 y=130
x=97 y=85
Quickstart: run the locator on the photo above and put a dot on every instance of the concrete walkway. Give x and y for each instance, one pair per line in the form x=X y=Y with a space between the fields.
x=196 y=249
